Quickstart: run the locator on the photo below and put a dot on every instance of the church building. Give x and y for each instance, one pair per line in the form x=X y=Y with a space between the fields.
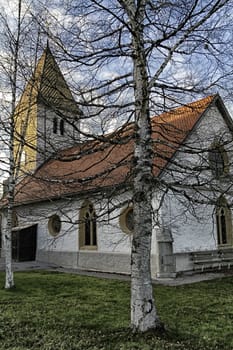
x=73 y=200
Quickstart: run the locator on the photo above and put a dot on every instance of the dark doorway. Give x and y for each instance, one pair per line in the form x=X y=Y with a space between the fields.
x=24 y=241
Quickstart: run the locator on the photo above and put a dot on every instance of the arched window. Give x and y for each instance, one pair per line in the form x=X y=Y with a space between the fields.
x=55 y=125
x=218 y=160
x=62 y=126
x=87 y=226
x=223 y=223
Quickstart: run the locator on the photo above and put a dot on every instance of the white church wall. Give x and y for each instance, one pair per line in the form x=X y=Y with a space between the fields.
x=49 y=142
x=113 y=245
x=211 y=127
x=192 y=228
x=111 y=238
x=60 y=249
x=40 y=213
x=193 y=225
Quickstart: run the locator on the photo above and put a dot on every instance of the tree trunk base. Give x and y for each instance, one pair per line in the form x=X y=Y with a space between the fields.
x=10 y=286
x=159 y=329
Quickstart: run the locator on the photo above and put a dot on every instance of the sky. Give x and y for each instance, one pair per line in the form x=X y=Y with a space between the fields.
x=71 y=30
x=67 y=26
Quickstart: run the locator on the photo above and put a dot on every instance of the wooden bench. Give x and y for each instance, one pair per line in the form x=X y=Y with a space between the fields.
x=226 y=256
x=212 y=259
x=206 y=260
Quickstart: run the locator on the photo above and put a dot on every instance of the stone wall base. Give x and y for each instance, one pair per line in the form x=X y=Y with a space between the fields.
x=89 y=260
x=94 y=260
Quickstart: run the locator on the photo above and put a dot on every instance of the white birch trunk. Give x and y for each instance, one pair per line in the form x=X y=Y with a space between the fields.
x=9 y=276
x=143 y=312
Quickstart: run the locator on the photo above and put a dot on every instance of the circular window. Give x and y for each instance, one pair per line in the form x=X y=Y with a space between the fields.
x=126 y=220
x=54 y=225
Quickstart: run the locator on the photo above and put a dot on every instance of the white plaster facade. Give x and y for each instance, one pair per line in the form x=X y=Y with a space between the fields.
x=48 y=143
x=193 y=226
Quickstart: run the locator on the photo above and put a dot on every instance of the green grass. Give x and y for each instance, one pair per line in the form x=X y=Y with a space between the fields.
x=53 y=311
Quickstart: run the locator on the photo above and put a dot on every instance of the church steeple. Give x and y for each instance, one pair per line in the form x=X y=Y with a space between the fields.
x=46 y=100
x=53 y=88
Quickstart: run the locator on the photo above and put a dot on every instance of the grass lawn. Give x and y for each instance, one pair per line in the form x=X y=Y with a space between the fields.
x=55 y=311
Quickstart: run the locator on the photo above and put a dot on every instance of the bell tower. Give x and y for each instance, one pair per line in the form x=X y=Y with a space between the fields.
x=46 y=118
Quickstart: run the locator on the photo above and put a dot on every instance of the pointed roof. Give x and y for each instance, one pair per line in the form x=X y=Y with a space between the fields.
x=97 y=165
x=47 y=85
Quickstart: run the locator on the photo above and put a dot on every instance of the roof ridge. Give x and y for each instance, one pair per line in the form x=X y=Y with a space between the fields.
x=199 y=105
x=40 y=74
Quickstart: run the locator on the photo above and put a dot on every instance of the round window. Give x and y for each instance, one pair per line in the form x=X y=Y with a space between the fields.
x=54 y=225
x=127 y=220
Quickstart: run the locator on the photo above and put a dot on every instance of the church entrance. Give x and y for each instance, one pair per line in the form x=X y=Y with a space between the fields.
x=24 y=241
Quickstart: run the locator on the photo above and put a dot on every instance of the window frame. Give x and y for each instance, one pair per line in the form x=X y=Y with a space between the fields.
x=218 y=170
x=123 y=220
x=88 y=221
x=53 y=230
x=223 y=219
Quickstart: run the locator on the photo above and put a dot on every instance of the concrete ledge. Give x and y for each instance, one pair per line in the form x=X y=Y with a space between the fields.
x=64 y=259
x=88 y=260
x=104 y=261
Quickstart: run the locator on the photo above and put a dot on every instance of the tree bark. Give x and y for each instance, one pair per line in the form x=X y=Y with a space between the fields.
x=9 y=276
x=143 y=312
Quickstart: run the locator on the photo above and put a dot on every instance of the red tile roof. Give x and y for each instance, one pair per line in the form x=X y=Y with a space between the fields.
x=96 y=164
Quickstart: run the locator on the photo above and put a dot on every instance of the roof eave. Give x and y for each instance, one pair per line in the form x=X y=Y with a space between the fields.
x=81 y=194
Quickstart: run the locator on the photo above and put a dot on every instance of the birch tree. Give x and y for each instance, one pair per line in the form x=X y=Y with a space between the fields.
x=15 y=24
x=136 y=58
x=9 y=277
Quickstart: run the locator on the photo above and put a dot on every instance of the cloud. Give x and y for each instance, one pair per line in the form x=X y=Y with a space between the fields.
x=10 y=8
